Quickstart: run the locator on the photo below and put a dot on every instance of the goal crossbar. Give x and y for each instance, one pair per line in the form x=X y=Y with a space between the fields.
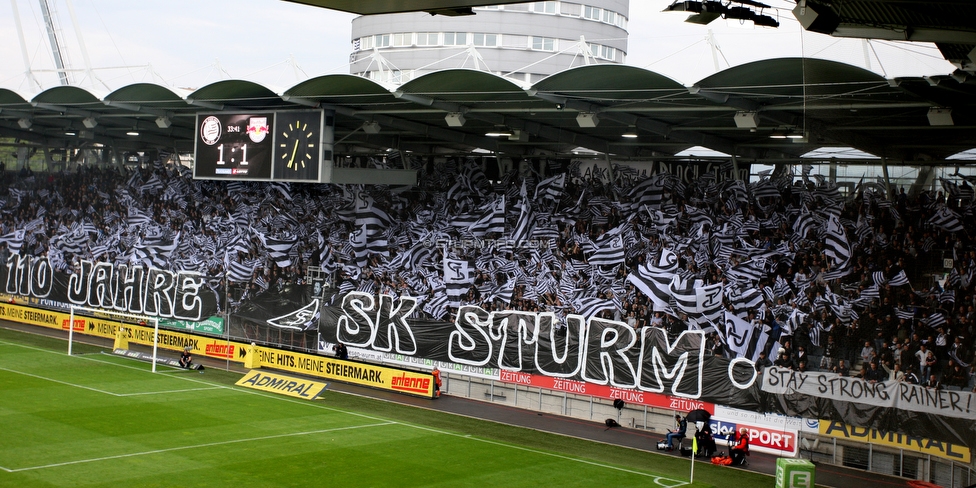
x=101 y=313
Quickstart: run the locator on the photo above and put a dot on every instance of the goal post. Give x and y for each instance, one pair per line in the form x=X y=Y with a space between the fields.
x=112 y=315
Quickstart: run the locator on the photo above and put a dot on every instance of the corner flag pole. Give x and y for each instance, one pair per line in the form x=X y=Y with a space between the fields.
x=694 y=449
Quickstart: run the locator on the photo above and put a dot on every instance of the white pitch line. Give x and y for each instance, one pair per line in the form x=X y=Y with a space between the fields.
x=657 y=478
x=195 y=446
x=108 y=392
x=168 y=391
x=60 y=382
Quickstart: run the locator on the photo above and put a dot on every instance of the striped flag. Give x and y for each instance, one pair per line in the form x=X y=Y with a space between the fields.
x=280 y=248
x=239 y=272
x=695 y=298
x=738 y=334
x=155 y=251
x=137 y=217
x=649 y=192
x=935 y=320
x=746 y=300
x=879 y=278
x=655 y=281
x=804 y=223
x=523 y=227
x=367 y=213
x=358 y=240
x=590 y=306
x=14 y=240
x=907 y=314
x=836 y=245
x=504 y=292
x=492 y=221
x=457 y=278
x=551 y=188
x=751 y=271
x=947 y=220
x=609 y=251
x=900 y=279
x=437 y=306
x=815 y=334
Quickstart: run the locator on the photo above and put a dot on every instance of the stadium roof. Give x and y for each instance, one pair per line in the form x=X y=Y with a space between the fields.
x=951 y=24
x=588 y=108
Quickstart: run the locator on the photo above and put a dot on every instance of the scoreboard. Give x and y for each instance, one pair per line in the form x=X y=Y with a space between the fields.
x=262 y=146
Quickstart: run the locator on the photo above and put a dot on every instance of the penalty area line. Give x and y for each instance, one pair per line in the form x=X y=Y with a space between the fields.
x=195 y=446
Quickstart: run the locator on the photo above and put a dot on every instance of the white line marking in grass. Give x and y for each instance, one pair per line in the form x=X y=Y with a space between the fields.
x=60 y=382
x=168 y=391
x=197 y=446
x=659 y=480
x=5 y=469
x=108 y=392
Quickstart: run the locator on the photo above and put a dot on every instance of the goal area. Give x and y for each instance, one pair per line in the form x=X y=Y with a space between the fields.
x=124 y=320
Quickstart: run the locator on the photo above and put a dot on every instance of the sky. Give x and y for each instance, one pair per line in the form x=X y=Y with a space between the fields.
x=189 y=44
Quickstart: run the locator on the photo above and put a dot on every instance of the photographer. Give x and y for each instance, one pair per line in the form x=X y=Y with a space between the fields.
x=185 y=358
x=340 y=351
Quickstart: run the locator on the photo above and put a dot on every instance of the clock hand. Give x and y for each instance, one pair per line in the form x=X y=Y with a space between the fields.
x=293 y=152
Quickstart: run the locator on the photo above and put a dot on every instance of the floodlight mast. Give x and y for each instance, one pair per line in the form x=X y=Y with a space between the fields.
x=56 y=49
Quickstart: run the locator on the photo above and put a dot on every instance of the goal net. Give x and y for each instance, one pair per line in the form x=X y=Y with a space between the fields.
x=122 y=319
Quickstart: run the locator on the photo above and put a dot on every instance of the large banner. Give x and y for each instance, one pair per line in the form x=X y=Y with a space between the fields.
x=177 y=295
x=611 y=358
x=892 y=394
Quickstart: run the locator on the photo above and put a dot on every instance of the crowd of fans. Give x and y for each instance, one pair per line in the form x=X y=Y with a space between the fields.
x=870 y=299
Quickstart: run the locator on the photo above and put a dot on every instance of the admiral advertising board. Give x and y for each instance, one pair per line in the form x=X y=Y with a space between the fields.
x=292 y=386
x=921 y=445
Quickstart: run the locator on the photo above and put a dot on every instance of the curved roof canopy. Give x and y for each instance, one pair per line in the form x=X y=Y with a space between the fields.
x=589 y=107
x=950 y=24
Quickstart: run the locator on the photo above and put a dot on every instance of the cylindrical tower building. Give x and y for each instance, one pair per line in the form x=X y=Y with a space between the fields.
x=525 y=42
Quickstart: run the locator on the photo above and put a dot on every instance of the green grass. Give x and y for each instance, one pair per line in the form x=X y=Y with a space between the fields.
x=100 y=420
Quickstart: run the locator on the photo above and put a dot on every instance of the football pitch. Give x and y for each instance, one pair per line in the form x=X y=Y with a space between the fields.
x=96 y=419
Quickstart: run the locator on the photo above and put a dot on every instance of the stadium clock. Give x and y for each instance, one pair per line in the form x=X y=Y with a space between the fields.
x=298 y=141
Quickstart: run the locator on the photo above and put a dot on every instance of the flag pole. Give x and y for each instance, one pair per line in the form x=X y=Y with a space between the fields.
x=694 y=449
x=227 y=304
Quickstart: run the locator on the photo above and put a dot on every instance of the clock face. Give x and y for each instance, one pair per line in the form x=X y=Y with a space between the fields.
x=298 y=146
x=298 y=136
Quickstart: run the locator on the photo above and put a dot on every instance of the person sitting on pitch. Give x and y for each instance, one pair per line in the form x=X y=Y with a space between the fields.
x=185 y=358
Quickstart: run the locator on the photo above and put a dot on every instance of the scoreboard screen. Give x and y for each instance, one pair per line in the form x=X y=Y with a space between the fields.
x=286 y=145
x=234 y=146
